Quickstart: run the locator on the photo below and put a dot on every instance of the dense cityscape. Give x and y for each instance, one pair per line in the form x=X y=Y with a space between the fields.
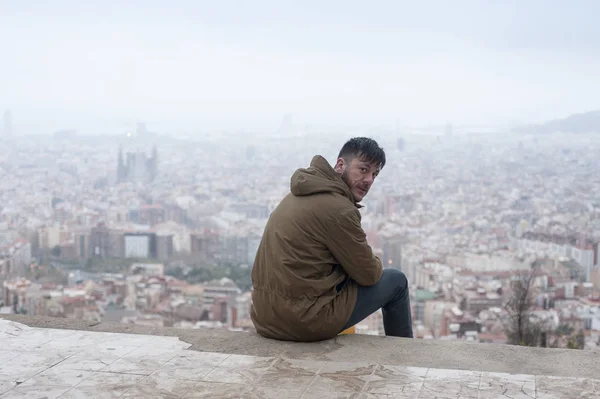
x=147 y=228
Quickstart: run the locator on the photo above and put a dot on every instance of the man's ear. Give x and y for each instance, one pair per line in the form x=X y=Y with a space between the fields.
x=340 y=165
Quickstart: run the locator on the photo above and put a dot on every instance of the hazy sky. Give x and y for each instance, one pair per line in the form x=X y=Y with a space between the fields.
x=243 y=64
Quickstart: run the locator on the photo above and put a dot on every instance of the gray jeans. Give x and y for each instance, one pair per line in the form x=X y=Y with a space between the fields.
x=391 y=295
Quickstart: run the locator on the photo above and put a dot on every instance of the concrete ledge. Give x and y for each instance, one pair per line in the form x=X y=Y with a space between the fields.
x=353 y=348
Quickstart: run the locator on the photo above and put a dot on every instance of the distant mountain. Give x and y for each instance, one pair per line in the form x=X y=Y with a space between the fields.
x=587 y=122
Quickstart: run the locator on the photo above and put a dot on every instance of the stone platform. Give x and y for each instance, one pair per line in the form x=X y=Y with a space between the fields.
x=67 y=363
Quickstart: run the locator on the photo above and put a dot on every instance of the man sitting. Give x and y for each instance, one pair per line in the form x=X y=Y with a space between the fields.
x=314 y=274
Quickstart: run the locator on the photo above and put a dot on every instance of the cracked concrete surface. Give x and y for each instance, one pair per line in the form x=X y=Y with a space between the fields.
x=350 y=348
x=68 y=363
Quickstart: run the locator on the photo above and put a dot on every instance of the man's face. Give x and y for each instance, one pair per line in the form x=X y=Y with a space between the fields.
x=358 y=174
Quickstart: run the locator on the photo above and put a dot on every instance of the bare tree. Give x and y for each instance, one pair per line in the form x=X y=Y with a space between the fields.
x=523 y=327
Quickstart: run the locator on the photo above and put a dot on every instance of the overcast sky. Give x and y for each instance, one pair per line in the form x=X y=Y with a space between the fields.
x=243 y=64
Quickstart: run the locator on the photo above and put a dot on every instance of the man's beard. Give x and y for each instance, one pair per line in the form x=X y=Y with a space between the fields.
x=347 y=181
x=345 y=178
x=349 y=184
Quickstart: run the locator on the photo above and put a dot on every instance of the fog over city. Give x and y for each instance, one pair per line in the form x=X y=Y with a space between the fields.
x=240 y=65
x=144 y=144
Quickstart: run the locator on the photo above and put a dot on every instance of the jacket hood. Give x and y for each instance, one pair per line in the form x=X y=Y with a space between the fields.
x=319 y=178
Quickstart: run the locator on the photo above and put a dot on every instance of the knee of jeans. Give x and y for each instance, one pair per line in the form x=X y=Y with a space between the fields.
x=398 y=276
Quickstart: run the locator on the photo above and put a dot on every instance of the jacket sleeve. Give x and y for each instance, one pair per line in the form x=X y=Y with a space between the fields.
x=347 y=242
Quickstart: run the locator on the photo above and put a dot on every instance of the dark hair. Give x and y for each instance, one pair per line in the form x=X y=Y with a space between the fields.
x=365 y=149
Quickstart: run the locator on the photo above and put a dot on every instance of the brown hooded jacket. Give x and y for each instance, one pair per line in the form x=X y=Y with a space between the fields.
x=313 y=245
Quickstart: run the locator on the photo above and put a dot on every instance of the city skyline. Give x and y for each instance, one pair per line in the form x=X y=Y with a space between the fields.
x=463 y=216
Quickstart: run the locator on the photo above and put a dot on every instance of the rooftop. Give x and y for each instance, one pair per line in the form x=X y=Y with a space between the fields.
x=54 y=357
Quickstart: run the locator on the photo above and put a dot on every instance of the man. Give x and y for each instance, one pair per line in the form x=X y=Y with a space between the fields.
x=315 y=274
